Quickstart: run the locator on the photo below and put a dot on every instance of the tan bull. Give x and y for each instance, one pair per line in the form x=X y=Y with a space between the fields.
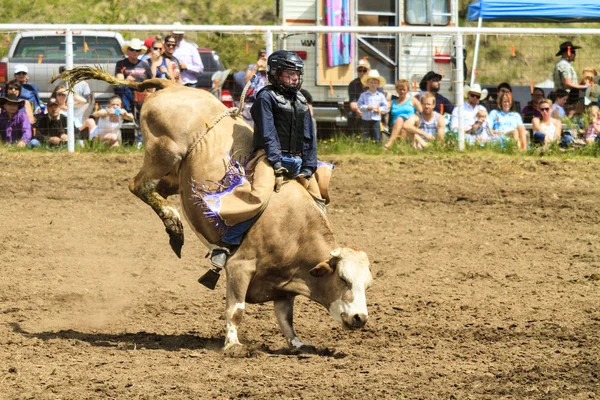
x=290 y=250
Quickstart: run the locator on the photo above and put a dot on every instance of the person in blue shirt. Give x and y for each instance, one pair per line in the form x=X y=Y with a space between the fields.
x=29 y=91
x=372 y=105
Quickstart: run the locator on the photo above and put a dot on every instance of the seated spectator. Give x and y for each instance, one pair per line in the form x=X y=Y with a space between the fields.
x=160 y=66
x=372 y=103
x=260 y=70
x=507 y=122
x=110 y=121
x=14 y=125
x=474 y=95
x=82 y=98
x=14 y=87
x=29 y=91
x=546 y=129
x=593 y=129
x=560 y=101
x=593 y=91
x=82 y=128
x=532 y=110
x=482 y=132
x=427 y=126
x=401 y=107
x=504 y=87
x=51 y=128
x=431 y=83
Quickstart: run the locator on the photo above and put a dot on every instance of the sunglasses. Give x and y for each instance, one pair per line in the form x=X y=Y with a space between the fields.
x=170 y=44
x=12 y=88
x=545 y=109
x=157 y=48
x=137 y=51
x=475 y=95
x=434 y=80
x=21 y=73
x=61 y=94
x=361 y=70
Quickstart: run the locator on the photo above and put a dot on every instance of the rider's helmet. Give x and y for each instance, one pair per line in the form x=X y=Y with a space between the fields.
x=285 y=60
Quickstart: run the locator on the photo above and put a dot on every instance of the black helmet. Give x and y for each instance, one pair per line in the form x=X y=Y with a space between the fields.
x=284 y=60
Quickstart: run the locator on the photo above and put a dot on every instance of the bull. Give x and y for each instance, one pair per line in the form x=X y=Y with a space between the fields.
x=290 y=250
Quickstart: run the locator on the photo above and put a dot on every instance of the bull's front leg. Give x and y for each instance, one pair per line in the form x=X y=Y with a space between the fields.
x=148 y=192
x=237 y=286
x=284 y=311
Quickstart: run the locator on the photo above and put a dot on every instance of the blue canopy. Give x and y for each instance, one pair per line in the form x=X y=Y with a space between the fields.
x=535 y=10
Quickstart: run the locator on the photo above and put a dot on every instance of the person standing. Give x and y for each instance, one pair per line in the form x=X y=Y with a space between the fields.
x=190 y=63
x=170 y=45
x=355 y=89
x=564 y=74
x=260 y=81
x=133 y=69
x=372 y=104
x=160 y=66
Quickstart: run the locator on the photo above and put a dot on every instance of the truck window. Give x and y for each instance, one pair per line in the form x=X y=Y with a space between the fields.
x=51 y=49
x=427 y=12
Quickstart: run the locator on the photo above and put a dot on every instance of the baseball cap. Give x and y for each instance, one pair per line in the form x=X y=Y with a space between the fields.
x=21 y=68
x=52 y=102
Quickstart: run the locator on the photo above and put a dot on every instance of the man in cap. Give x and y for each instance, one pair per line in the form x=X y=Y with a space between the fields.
x=29 y=91
x=355 y=89
x=431 y=84
x=52 y=127
x=190 y=63
x=564 y=74
x=474 y=95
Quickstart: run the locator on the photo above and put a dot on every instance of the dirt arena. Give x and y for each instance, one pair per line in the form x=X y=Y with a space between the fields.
x=487 y=275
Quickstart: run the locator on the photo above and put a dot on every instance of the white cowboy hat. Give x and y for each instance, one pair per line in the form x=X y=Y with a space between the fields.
x=373 y=74
x=135 y=44
x=476 y=88
x=177 y=32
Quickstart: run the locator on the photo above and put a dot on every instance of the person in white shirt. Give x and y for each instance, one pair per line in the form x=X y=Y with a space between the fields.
x=190 y=63
x=474 y=95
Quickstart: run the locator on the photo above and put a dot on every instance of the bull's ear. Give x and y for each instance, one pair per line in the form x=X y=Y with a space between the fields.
x=322 y=269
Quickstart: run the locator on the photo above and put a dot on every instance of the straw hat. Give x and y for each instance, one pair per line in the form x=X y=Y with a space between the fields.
x=373 y=74
x=177 y=32
x=476 y=88
x=135 y=44
x=11 y=98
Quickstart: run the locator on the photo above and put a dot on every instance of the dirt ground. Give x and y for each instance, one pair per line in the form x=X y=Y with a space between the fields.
x=487 y=274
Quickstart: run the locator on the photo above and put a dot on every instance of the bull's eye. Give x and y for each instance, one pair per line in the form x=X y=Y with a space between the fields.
x=344 y=281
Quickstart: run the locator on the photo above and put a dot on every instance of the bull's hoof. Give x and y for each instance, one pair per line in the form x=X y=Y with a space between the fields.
x=176 y=242
x=236 y=351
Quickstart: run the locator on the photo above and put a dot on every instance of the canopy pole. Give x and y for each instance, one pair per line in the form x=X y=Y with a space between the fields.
x=474 y=68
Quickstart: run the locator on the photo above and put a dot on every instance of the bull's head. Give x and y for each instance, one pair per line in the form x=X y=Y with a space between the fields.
x=346 y=277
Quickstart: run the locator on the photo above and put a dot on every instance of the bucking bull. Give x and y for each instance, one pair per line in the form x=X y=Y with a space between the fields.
x=189 y=139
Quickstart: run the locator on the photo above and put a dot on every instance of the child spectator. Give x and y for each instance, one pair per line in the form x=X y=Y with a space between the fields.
x=14 y=125
x=372 y=104
x=593 y=131
x=110 y=121
x=481 y=131
x=560 y=100
x=52 y=127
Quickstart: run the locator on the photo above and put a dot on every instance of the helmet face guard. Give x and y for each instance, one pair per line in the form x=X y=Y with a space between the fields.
x=281 y=61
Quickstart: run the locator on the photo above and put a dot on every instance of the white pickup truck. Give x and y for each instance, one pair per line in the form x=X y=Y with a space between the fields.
x=43 y=53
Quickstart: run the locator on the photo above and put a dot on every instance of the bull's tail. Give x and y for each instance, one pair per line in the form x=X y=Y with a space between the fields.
x=78 y=74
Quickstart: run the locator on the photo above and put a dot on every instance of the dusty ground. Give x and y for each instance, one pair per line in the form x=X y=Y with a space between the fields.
x=487 y=286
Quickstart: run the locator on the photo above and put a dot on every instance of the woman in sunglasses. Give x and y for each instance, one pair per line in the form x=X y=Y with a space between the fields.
x=14 y=87
x=545 y=128
x=161 y=66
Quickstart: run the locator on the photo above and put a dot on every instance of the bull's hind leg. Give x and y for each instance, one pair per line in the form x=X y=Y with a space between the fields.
x=153 y=184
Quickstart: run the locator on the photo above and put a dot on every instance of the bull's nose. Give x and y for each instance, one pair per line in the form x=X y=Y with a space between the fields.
x=359 y=320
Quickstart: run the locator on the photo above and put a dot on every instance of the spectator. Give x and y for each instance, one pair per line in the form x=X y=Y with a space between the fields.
x=564 y=75
x=372 y=104
x=560 y=100
x=481 y=132
x=401 y=107
x=593 y=130
x=546 y=129
x=170 y=45
x=190 y=64
x=260 y=70
x=431 y=83
x=507 y=122
x=14 y=87
x=110 y=121
x=427 y=126
x=14 y=125
x=134 y=70
x=532 y=110
x=51 y=128
x=160 y=66
x=29 y=91
x=82 y=99
x=593 y=91
x=504 y=87
x=470 y=124
x=355 y=89
x=148 y=44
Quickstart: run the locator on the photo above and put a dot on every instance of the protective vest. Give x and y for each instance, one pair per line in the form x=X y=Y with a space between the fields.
x=288 y=116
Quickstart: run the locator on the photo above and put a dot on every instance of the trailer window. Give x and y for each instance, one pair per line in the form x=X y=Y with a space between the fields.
x=427 y=12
